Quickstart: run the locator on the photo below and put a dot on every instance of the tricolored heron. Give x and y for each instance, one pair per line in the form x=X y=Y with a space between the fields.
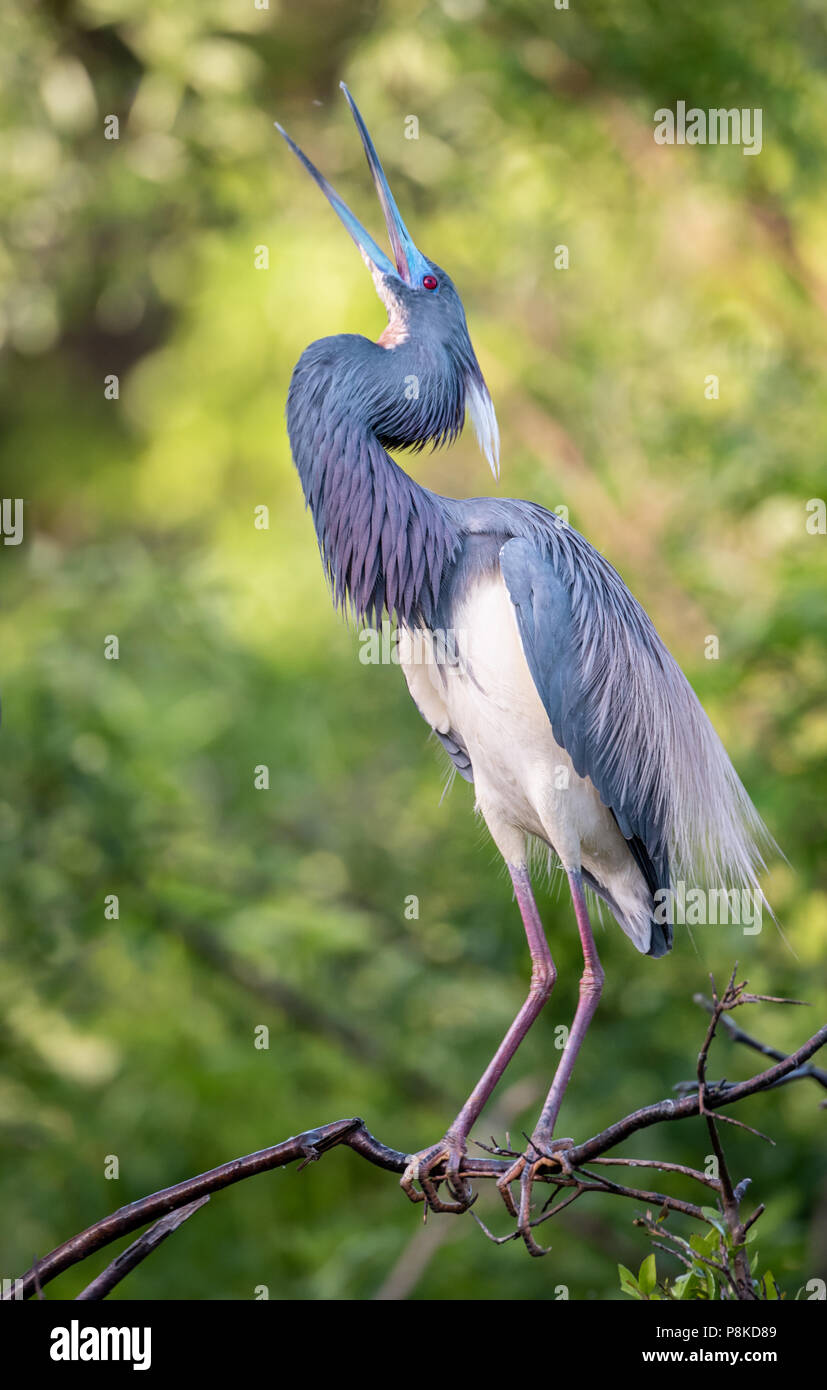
x=559 y=701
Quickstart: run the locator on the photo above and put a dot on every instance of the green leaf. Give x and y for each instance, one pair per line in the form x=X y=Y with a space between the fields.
x=705 y=1245
x=628 y=1282
x=715 y=1219
x=648 y=1275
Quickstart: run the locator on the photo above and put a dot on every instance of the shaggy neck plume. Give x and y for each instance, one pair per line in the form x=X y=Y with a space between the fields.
x=384 y=540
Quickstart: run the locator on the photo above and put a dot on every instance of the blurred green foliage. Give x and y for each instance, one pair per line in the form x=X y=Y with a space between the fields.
x=136 y=257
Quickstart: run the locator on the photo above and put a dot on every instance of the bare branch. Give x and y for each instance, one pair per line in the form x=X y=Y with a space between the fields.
x=124 y=1263
x=738 y=1035
x=693 y=1173
x=679 y=1110
x=310 y=1146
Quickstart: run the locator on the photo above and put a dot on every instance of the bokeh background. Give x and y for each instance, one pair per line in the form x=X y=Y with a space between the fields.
x=286 y=907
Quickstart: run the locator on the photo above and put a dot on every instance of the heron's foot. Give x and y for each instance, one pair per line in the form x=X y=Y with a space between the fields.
x=449 y=1152
x=542 y=1154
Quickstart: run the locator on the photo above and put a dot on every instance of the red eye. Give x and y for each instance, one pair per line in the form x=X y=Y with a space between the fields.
x=429 y=281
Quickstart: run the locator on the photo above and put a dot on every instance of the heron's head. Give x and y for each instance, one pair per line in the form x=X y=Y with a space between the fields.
x=425 y=312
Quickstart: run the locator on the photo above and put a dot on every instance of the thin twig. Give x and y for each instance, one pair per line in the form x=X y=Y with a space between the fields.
x=662 y=1167
x=677 y=1254
x=740 y=1272
x=738 y=1035
x=124 y=1263
x=650 y=1198
x=731 y=1120
x=667 y=1110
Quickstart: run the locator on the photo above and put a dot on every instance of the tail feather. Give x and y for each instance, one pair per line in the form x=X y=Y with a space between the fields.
x=716 y=836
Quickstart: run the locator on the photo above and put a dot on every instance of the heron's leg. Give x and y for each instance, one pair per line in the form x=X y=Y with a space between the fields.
x=591 y=988
x=542 y=1148
x=452 y=1148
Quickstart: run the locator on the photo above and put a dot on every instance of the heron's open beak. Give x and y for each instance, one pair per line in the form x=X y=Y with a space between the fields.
x=411 y=265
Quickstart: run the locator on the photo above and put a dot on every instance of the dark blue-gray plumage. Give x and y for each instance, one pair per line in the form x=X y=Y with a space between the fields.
x=561 y=704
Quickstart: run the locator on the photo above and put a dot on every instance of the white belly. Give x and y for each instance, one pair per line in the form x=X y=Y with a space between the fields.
x=525 y=782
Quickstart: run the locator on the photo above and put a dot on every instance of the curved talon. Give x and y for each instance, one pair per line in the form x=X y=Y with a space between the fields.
x=419 y=1169
x=525 y=1171
x=524 y=1221
x=504 y=1185
x=557 y=1150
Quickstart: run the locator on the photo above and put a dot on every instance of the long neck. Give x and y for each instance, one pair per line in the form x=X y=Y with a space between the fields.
x=385 y=540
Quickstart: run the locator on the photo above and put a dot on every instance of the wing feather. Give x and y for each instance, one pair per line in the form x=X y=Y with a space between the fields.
x=627 y=716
